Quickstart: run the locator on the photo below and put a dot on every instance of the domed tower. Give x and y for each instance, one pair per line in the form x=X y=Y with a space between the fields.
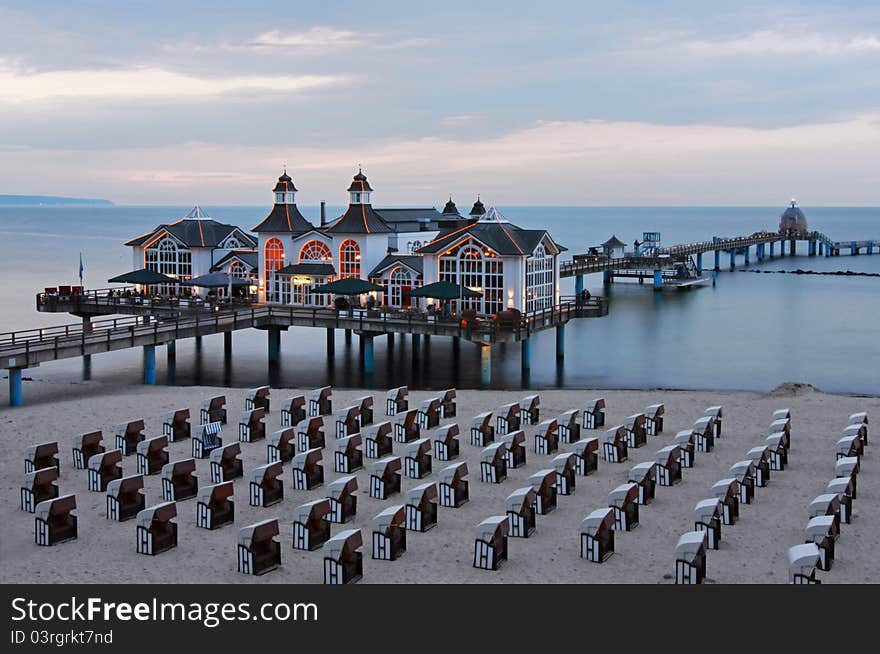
x=478 y=209
x=359 y=190
x=450 y=210
x=793 y=220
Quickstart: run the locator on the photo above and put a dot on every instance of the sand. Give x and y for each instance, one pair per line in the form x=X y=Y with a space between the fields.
x=752 y=551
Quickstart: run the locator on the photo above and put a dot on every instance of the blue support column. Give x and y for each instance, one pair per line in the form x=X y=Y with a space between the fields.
x=821 y=248
x=658 y=280
x=608 y=277
x=560 y=341
x=700 y=262
x=15 y=395
x=732 y=255
x=579 y=284
x=772 y=248
x=331 y=342
x=870 y=247
x=759 y=252
x=150 y=364
x=486 y=364
x=274 y=345
x=746 y=251
x=781 y=248
x=526 y=356
x=227 y=344
x=811 y=248
x=369 y=359
x=717 y=260
x=171 y=352
x=416 y=344
x=853 y=250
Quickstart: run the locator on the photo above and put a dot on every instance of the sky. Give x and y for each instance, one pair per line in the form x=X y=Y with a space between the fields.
x=550 y=103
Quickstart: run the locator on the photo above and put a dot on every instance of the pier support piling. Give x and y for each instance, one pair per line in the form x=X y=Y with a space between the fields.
x=608 y=277
x=793 y=247
x=699 y=263
x=171 y=352
x=781 y=248
x=772 y=248
x=331 y=341
x=348 y=337
x=811 y=248
x=746 y=251
x=150 y=365
x=227 y=344
x=560 y=341
x=658 y=280
x=485 y=364
x=274 y=345
x=416 y=344
x=369 y=360
x=732 y=255
x=579 y=284
x=15 y=395
x=526 y=353
x=717 y=260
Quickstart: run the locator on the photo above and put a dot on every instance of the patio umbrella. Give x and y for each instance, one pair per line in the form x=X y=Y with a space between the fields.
x=216 y=280
x=443 y=291
x=142 y=276
x=347 y=286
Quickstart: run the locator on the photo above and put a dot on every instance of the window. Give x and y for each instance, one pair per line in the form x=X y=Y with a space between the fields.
x=349 y=259
x=237 y=269
x=399 y=282
x=279 y=198
x=232 y=243
x=481 y=270
x=168 y=258
x=540 y=280
x=315 y=251
x=273 y=259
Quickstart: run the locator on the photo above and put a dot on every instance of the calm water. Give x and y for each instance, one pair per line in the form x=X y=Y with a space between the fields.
x=751 y=331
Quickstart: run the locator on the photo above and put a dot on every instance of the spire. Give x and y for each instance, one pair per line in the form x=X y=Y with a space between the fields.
x=285 y=191
x=450 y=209
x=478 y=208
x=360 y=189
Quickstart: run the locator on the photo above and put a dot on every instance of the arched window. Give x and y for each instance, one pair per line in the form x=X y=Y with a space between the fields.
x=168 y=258
x=349 y=259
x=232 y=243
x=540 y=280
x=236 y=269
x=471 y=266
x=273 y=259
x=315 y=251
x=399 y=282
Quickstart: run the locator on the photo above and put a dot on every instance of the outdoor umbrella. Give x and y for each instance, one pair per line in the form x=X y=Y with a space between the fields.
x=217 y=280
x=444 y=291
x=347 y=286
x=142 y=276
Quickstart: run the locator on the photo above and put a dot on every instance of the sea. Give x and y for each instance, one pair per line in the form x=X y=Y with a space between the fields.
x=748 y=331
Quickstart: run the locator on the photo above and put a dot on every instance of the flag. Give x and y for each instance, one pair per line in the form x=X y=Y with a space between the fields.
x=81 y=268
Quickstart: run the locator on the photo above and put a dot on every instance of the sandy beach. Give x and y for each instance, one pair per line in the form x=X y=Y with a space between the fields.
x=752 y=551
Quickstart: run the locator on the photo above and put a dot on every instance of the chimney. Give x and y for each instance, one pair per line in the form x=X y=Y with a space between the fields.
x=323 y=213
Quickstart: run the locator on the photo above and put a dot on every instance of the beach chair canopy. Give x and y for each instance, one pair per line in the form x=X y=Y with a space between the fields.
x=258 y=532
x=691 y=544
x=451 y=473
x=521 y=499
x=641 y=472
x=161 y=512
x=307 y=458
x=389 y=464
x=421 y=493
x=707 y=509
x=316 y=509
x=342 y=486
x=490 y=527
x=819 y=527
x=58 y=506
x=493 y=452
x=393 y=516
x=623 y=494
x=596 y=520
x=343 y=544
x=214 y=494
x=803 y=559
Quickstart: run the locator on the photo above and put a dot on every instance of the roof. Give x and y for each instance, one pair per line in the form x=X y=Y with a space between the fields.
x=359 y=183
x=310 y=269
x=195 y=232
x=285 y=184
x=410 y=215
x=450 y=209
x=613 y=243
x=251 y=258
x=412 y=261
x=359 y=219
x=284 y=218
x=478 y=209
x=502 y=237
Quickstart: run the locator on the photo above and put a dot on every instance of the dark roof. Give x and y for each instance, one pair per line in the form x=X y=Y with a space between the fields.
x=410 y=215
x=359 y=219
x=285 y=184
x=613 y=243
x=478 y=209
x=413 y=261
x=502 y=237
x=450 y=209
x=250 y=257
x=284 y=218
x=312 y=269
x=198 y=233
x=359 y=183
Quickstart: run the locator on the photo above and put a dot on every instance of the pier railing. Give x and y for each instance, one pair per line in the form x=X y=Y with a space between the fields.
x=24 y=348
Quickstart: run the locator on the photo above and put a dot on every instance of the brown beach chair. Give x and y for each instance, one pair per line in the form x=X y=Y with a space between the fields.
x=179 y=481
x=125 y=498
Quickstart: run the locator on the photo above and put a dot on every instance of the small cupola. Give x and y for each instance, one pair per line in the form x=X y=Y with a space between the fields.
x=359 y=191
x=478 y=209
x=285 y=191
x=450 y=209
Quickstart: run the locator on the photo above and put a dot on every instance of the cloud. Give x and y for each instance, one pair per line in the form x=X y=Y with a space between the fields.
x=316 y=37
x=556 y=162
x=771 y=42
x=21 y=86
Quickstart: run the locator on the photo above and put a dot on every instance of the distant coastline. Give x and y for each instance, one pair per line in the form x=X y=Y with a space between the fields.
x=51 y=200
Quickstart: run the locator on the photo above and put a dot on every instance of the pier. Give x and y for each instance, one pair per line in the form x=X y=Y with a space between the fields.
x=153 y=326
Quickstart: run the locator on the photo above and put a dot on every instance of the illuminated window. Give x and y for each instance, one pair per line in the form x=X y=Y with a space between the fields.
x=168 y=258
x=469 y=266
x=349 y=259
x=273 y=259
x=237 y=269
x=540 y=282
x=315 y=251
